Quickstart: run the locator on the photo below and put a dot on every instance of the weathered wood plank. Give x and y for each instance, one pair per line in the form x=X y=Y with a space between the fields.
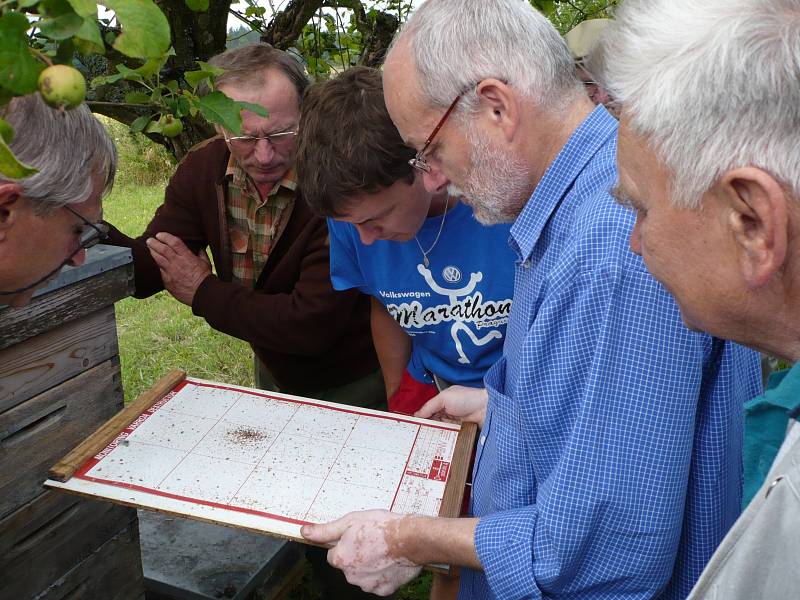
x=106 y=433
x=55 y=532
x=37 y=433
x=112 y=572
x=47 y=360
x=64 y=305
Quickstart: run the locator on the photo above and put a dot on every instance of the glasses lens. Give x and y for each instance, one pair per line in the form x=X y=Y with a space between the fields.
x=93 y=235
x=419 y=164
x=243 y=143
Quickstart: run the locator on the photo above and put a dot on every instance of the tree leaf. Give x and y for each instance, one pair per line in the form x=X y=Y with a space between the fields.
x=197 y=5
x=145 y=31
x=153 y=127
x=219 y=109
x=255 y=108
x=89 y=33
x=206 y=71
x=137 y=98
x=10 y=166
x=85 y=8
x=6 y=131
x=140 y=123
x=151 y=66
x=129 y=74
x=60 y=27
x=19 y=70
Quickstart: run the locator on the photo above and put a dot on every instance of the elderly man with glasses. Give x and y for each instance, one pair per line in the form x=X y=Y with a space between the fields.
x=609 y=460
x=47 y=220
x=236 y=194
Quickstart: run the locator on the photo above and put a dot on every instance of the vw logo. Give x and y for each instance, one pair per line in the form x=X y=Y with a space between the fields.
x=451 y=274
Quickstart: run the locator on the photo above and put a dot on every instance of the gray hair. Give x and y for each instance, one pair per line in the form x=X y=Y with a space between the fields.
x=246 y=66
x=458 y=43
x=712 y=84
x=67 y=147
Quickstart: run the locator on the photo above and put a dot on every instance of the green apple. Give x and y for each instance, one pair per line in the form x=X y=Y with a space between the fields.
x=170 y=126
x=62 y=86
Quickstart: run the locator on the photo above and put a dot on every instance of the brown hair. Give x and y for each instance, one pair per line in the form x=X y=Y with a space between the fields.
x=347 y=144
x=245 y=66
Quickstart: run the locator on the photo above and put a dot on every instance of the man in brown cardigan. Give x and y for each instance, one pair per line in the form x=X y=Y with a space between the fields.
x=236 y=195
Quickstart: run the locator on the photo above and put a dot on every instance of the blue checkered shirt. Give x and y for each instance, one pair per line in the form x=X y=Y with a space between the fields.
x=609 y=465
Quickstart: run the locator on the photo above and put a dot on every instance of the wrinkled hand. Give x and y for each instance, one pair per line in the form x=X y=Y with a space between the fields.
x=362 y=543
x=456 y=404
x=181 y=271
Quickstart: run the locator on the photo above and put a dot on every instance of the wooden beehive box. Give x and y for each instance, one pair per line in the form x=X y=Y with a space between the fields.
x=59 y=380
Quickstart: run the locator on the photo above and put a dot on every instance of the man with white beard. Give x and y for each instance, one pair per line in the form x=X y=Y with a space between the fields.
x=608 y=464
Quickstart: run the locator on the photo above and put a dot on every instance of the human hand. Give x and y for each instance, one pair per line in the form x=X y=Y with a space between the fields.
x=456 y=404
x=181 y=271
x=363 y=545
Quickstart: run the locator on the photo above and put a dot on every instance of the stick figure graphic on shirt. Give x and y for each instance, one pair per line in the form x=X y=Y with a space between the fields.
x=453 y=296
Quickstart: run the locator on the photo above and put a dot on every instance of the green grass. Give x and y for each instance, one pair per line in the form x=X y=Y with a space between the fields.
x=159 y=333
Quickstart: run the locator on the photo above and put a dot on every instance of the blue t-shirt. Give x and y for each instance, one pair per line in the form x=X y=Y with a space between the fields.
x=456 y=310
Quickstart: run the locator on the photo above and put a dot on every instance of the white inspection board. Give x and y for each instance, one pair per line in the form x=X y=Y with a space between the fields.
x=269 y=462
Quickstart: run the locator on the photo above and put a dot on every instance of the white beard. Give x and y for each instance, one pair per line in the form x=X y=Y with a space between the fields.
x=498 y=185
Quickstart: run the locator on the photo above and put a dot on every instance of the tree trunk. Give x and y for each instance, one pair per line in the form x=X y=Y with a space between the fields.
x=195 y=36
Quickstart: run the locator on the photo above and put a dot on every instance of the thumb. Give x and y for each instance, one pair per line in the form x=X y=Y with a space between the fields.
x=325 y=533
x=431 y=407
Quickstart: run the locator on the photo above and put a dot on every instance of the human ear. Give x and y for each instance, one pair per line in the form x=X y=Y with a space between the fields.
x=10 y=205
x=499 y=106
x=759 y=221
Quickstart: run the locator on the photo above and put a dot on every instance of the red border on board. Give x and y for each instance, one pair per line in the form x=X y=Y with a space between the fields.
x=81 y=473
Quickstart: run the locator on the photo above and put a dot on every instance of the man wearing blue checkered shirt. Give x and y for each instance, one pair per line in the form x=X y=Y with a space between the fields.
x=609 y=461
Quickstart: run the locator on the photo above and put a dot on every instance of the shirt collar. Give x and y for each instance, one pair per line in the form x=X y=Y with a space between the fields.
x=582 y=145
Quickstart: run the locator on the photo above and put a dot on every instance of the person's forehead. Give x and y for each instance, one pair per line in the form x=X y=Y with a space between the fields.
x=278 y=95
x=412 y=118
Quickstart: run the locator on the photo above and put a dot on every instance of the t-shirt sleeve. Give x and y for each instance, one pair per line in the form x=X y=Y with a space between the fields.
x=346 y=271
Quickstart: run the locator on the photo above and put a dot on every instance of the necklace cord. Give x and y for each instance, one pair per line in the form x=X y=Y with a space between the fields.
x=425 y=260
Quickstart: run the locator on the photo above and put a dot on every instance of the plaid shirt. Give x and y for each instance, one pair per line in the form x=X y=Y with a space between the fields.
x=609 y=464
x=255 y=225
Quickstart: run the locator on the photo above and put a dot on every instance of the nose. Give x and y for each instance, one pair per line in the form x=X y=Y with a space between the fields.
x=264 y=151
x=78 y=259
x=636 y=235
x=434 y=181
x=368 y=233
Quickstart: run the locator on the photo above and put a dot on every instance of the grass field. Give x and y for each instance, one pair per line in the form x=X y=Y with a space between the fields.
x=159 y=333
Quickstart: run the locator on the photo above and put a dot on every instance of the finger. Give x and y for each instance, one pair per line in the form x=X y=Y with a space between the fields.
x=155 y=246
x=159 y=259
x=431 y=407
x=172 y=241
x=325 y=533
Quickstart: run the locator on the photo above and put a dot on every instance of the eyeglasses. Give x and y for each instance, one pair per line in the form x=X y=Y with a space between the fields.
x=419 y=162
x=93 y=234
x=244 y=143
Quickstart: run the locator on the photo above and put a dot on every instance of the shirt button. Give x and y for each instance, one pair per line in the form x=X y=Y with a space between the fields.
x=482 y=440
x=527 y=263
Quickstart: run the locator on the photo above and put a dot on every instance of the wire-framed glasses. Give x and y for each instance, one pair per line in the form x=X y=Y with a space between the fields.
x=419 y=162
x=245 y=143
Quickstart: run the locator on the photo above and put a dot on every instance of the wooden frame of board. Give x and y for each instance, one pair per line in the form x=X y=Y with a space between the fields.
x=111 y=433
